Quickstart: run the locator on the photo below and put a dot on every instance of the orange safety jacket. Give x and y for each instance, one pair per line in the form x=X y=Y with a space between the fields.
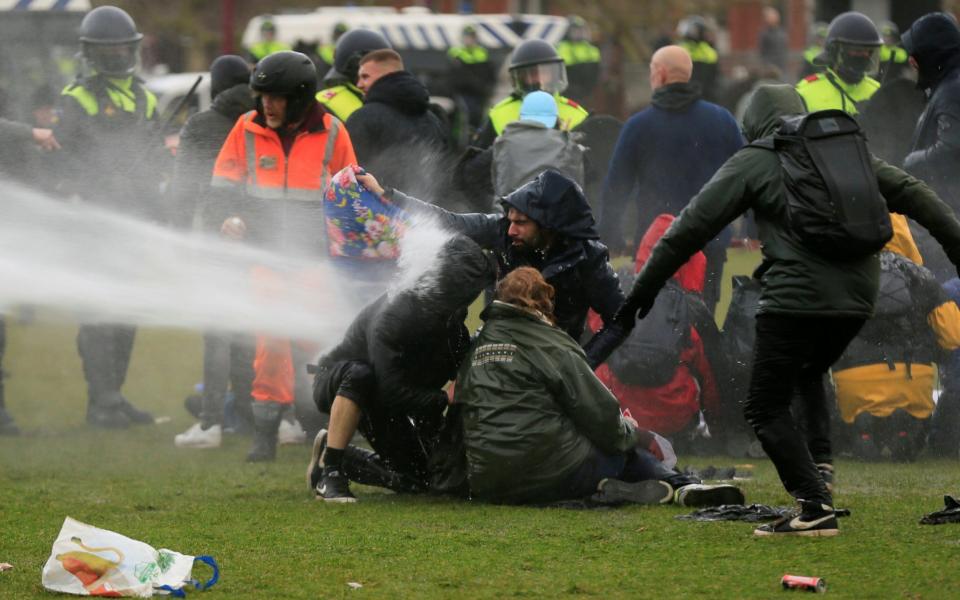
x=253 y=156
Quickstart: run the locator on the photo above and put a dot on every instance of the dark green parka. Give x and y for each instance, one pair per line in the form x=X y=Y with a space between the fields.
x=796 y=280
x=532 y=408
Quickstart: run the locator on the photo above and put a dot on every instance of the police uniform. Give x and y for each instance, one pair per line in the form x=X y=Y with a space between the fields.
x=826 y=90
x=341 y=100
x=472 y=77
x=893 y=61
x=705 y=65
x=265 y=48
x=582 y=60
x=569 y=113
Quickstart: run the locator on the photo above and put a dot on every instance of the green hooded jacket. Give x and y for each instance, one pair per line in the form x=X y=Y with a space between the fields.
x=532 y=408
x=796 y=280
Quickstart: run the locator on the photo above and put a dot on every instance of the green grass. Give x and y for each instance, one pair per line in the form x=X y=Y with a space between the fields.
x=274 y=541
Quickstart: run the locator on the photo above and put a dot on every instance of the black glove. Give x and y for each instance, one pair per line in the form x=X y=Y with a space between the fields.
x=636 y=306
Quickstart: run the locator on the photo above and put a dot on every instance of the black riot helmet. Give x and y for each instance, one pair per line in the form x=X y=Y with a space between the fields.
x=109 y=41
x=289 y=74
x=535 y=65
x=693 y=28
x=351 y=47
x=852 y=46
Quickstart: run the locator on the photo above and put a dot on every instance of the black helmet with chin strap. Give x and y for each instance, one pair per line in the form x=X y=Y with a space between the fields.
x=288 y=74
x=351 y=47
x=109 y=41
x=852 y=46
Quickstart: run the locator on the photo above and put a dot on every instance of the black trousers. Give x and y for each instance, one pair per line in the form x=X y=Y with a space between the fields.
x=404 y=442
x=105 y=350
x=791 y=355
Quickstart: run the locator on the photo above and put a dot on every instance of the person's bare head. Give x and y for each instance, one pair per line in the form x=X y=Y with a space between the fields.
x=375 y=65
x=771 y=16
x=670 y=64
x=525 y=287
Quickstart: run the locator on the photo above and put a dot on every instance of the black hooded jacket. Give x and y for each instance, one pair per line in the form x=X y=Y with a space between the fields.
x=394 y=120
x=200 y=142
x=934 y=41
x=415 y=339
x=576 y=264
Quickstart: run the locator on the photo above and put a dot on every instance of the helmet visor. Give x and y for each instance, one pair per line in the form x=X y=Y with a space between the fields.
x=115 y=60
x=858 y=59
x=548 y=77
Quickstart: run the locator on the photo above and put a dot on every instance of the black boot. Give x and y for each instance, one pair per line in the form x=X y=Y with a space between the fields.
x=266 y=422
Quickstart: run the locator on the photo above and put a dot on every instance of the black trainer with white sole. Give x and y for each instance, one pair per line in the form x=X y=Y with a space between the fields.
x=335 y=487
x=615 y=491
x=823 y=524
x=315 y=468
x=700 y=495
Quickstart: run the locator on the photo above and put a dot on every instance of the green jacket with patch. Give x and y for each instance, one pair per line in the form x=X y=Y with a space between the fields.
x=795 y=279
x=532 y=408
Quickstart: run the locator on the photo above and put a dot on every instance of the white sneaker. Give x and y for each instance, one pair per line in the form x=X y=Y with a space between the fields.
x=291 y=433
x=197 y=437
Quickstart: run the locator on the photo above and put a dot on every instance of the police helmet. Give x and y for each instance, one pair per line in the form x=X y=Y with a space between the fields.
x=890 y=32
x=820 y=29
x=109 y=41
x=339 y=28
x=353 y=46
x=693 y=28
x=289 y=74
x=852 y=46
x=268 y=26
x=535 y=65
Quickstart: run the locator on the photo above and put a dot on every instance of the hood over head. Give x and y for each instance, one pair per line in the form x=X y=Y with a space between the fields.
x=401 y=90
x=691 y=275
x=768 y=105
x=227 y=71
x=555 y=202
x=462 y=271
x=934 y=41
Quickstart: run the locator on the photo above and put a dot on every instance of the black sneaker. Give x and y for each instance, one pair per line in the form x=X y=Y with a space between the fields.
x=821 y=523
x=335 y=487
x=615 y=491
x=315 y=468
x=826 y=474
x=698 y=495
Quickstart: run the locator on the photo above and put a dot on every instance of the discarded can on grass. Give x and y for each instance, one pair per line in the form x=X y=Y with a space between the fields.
x=799 y=582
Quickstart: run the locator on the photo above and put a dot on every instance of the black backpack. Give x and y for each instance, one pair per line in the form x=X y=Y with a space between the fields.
x=651 y=353
x=833 y=204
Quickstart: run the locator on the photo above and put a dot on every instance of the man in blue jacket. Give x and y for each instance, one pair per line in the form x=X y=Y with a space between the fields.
x=664 y=156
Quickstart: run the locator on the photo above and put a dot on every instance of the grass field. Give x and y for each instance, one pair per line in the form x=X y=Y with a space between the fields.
x=273 y=540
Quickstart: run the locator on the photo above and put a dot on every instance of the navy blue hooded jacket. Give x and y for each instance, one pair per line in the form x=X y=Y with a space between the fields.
x=576 y=264
x=663 y=157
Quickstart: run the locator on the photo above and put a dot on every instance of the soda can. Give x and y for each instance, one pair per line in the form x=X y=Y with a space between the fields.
x=799 y=582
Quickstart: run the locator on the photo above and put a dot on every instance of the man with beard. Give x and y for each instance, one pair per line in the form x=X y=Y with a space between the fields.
x=547 y=225
x=385 y=377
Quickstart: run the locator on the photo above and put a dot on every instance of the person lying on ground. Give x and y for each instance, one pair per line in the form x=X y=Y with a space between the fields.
x=540 y=427
x=547 y=225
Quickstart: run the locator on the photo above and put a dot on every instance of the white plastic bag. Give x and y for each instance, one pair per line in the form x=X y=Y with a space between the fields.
x=89 y=561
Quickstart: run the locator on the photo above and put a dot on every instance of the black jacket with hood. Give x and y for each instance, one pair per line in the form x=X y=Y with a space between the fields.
x=415 y=338
x=200 y=142
x=395 y=134
x=576 y=264
x=796 y=280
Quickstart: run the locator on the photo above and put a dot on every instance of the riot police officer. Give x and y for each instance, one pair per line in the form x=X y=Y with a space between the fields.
x=472 y=75
x=105 y=129
x=815 y=49
x=893 y=57
x=581 y=58
x=693 y=36
x=327 y=51
x=852 y=51
x=341 y=96
x=534 y=65
x=268 y=44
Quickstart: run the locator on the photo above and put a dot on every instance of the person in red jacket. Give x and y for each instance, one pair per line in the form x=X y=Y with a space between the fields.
x=674 y=407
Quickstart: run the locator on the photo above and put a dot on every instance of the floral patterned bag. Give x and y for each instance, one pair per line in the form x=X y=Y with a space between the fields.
x=359 y=223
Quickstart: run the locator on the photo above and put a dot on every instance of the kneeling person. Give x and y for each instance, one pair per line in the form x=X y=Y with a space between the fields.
x=540 y=427
x=385 y=378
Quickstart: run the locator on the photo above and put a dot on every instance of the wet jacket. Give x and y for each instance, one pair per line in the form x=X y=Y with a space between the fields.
x=883 y=369
x=280 y=197
x=415 y=339
x=112 y=155
x=663 y=157
x=795 y=279
x=395 y=133
x=532 y=409
x=200 y=143
x=576 y=264
x=671 y=407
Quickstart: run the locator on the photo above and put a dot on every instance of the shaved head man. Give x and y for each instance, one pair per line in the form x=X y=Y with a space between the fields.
x=670 y=64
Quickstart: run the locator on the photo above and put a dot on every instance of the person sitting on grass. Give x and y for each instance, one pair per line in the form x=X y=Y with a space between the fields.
x=385 y=378
x=538 y=425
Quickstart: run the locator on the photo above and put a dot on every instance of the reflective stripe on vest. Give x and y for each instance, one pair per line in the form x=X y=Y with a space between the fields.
x=894 y=53
x=340 y=101
x=508 y=110
x=822 y=93
x=469 y=55
x=575 y=53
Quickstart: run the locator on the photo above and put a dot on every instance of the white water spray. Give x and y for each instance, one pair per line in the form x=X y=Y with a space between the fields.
x=102 y=266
